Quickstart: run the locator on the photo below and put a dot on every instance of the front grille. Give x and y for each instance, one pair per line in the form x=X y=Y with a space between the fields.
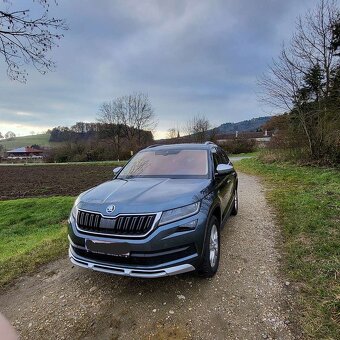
x=126 y=225
x=88 y=220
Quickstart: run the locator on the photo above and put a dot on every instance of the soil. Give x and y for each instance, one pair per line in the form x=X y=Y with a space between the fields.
x=50 y=180
x=247 y=299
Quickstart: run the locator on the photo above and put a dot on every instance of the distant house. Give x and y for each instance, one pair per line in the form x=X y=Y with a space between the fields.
x=24 y=152
x=261 y=138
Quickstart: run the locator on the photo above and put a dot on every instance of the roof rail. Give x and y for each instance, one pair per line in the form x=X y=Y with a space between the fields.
x=209 y=142
x=153 y=146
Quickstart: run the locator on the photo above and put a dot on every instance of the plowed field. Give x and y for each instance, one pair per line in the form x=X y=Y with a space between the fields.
x=50 y=180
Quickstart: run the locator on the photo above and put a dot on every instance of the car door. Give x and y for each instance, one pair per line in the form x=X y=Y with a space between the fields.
x=222 y=181
x=231 y=181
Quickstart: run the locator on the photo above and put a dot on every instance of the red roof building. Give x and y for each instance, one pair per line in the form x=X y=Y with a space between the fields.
x=25 y=152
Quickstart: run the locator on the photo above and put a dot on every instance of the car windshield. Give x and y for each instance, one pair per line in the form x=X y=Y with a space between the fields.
x=168 y=163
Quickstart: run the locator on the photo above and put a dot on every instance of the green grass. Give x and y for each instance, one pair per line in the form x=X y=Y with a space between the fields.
x=244 y=154
x=32 y=232
x=307 y=201
x=17 y=142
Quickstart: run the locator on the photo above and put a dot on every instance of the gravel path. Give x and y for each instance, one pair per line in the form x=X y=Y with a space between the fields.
x=247 y=299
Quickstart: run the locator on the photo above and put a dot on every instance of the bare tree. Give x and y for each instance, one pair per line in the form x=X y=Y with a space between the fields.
x=128 y=116
x=144 y=113
x=26 y=39
x=110 y=115
x=137 y=113
x=172 y=133
x=1 y=136
x=300 y=79
x=10 y=134
x=198 y=128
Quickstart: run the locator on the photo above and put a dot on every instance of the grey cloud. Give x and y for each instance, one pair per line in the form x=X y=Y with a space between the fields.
x=189 y=56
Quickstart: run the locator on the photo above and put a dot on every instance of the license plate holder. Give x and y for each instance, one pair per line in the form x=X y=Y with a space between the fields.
x=107 y=248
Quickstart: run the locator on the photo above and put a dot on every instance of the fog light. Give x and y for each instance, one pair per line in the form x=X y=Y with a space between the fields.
x=188 y=226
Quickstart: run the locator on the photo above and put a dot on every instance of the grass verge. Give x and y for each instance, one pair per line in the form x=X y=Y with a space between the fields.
x=244 y=154
x=307 y=201
x=32 y=232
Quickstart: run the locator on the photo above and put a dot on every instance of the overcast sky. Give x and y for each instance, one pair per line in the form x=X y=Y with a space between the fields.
x=190 y=56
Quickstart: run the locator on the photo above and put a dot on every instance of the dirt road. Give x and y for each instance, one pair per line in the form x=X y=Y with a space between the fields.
x=247 y=299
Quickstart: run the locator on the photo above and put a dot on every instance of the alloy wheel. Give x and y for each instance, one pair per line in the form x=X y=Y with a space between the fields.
x=213 y=246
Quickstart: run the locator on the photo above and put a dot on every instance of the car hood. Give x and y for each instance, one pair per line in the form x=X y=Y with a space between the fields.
x=140 y=195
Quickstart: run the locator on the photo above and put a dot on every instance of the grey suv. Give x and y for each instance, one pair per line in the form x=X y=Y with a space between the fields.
x=160 y=215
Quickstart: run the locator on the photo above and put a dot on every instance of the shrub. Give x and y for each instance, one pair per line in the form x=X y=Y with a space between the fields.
x=239 y=146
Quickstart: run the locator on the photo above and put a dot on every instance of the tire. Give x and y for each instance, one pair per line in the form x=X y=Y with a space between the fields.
x=234 y=210
x=211 y=259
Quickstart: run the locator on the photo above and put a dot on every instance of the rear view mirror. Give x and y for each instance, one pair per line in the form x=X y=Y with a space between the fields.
x=117 y=169
x=223 y=169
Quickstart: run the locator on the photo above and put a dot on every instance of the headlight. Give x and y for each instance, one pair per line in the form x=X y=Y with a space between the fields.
x=179 y=213
x=74 y=210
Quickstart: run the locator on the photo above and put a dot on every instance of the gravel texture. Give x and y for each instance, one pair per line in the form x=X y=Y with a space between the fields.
x=247 y=299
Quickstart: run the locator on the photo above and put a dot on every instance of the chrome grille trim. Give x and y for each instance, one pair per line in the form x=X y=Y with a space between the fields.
x=149 y=216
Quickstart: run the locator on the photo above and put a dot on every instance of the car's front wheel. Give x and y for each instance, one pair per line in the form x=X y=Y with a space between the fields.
x=211 y=252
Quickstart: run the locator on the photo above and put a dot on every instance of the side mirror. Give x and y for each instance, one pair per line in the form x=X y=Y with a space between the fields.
x=116 y=170
x=223 y=169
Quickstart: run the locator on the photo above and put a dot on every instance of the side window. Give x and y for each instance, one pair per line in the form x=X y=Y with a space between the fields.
x=222 y=157
x=215 y=158
x=225 y=157
x=218 y=158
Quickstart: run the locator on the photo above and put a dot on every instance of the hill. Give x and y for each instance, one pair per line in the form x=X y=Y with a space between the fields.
x=17 y=142
x=43 y=139
x=245 y=125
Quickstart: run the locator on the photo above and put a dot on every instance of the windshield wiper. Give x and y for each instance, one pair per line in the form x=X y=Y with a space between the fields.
x=130 y=176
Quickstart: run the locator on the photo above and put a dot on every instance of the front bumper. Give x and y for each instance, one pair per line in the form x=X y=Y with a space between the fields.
x=142 y=273
x=167 y=250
